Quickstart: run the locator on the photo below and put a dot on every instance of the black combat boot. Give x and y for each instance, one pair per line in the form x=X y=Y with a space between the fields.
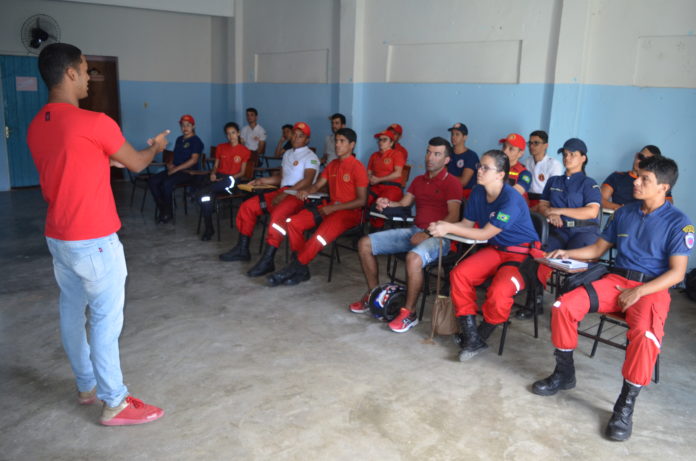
x=240 y=252
x=266 y=264
x=301 y=274
x=485 y=329
x=563 y=376
x=209 y=230
x=281 y=275
x=621 y=423
x=472 y=343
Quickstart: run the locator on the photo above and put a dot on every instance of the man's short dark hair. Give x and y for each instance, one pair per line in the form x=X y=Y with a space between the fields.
x=502 y=161
x=55 y=59
x=340 y=117
x=653 y=150
x=665 y=169
x=251 y=109
x=349 y=134
x=440 y=141
x=540 y=134
x=287 y=126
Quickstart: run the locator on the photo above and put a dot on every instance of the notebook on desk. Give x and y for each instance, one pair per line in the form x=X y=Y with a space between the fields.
x=568 y=265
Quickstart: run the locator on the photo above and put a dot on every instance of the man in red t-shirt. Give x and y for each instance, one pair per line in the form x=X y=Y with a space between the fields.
x=347 y=181
x=73 y=150
x=437 y=196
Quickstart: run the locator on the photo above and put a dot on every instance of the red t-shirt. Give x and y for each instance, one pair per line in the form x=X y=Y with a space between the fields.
x=432 y=195
x=383 y=163
x=344 y=176
x=71 y=149
x=231 y=158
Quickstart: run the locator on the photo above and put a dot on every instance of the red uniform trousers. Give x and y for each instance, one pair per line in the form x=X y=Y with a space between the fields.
x=475 y=270
x=646 y=320
x=251 y=210
x=330 y=228
x=393 y=193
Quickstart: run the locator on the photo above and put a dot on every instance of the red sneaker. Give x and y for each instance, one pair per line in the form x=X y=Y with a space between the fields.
x=360 y=307
x=87 y=398
x=130 y=411
x=404 y=321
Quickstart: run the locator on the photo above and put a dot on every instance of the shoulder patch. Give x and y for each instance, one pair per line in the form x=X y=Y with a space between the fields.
x=502 y=217
x=689 y=228
x=689 y=240
x=314 y=162
x=526 y=178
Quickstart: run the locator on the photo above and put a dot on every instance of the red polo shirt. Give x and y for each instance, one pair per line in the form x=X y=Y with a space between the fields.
x=344 y=176
x=71 y=149
x=432 y=195
x=231 y=158
x=403 y=150
x=383 y=163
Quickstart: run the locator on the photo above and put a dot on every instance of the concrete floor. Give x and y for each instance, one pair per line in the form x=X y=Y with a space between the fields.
x=249 y=372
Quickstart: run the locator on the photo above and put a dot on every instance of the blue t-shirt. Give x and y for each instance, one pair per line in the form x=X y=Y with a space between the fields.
x=575 y=191
x=622 y=184
x=508 y=212
x=458 y=162
x=184 y=148
x=645 y=242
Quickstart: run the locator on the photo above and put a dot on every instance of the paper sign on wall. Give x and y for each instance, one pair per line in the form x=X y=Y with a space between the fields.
x=26 y=84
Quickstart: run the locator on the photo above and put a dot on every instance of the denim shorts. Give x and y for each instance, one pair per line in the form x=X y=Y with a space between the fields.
x=399 y=241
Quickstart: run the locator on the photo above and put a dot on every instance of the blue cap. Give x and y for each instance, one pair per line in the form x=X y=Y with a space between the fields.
x=574 y=144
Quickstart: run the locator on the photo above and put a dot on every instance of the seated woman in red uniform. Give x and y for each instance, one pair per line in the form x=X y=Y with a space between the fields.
x=384 y=172
x=503 y=220
x=230 y=160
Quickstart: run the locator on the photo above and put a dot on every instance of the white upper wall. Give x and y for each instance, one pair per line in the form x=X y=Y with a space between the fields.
x=463 y=41
x=206 y=7
x=289 y=41
x=151 y=45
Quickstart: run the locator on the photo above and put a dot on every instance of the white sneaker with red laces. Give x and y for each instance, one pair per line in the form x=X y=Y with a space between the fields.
x=404 y=321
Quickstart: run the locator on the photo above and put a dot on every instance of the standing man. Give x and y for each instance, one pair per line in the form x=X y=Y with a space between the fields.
x=253 y=134
x=518 y=176
x=464 y=160
x=398 y=132
x=346 y=178
x=438 y=196
x=540 y=165
x=73 y=150
x=338 y=121
x=653 y=241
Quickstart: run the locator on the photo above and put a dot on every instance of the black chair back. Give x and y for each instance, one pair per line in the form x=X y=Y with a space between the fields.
x=541 y=225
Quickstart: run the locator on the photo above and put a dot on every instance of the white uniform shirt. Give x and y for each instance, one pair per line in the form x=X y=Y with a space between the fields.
x=295 y=162
x=251 y=137
x=330 y=148
x=542 y=171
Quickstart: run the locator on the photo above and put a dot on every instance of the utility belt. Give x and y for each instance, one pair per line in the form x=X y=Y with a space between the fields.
x=521 y=249
x=534 y=196
x=572 y=223
x=635 y=276
x=385 y=183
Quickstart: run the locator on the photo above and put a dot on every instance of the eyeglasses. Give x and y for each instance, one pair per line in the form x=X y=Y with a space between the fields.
x=485 y=168
x=535 y=143
x=383 y=139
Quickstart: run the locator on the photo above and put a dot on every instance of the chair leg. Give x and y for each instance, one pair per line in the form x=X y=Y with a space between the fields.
x=424 y=293
x=503 y=335
x=132 y=195
x=334 y=254
x=535 y=310
x=142 y=204
x=602 y=319
x=218 y=210
x=200 y=218
x=657 y=370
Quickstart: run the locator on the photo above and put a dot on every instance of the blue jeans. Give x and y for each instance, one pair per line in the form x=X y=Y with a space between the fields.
x=399 y=241
x=92 y=273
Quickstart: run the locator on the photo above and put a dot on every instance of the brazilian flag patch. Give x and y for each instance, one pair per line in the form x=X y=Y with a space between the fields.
x=502 y=217
x=526 y=178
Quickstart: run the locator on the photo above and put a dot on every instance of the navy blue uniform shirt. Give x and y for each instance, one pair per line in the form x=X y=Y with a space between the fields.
x=458 y=162
x=508 y=212
x=184 y=148
x=645 y=242
x=575 y=191
x=621 y=183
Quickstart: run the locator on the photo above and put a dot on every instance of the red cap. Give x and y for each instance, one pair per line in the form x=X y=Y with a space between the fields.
x=303 y=127
x=514 y=139
x=187 y=118
x=395 y=127
x=388 y=133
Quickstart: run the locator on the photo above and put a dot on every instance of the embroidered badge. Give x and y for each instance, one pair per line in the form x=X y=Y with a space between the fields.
x=237 y=159
x=387 y=161
x=541 y=177
x=502 y=217
x=689 y=228
x=186 y=145
x=295 y=163
x=689 y=240
x=526 y=178
x=346 y=177
x=460 y=163
x=314 y=162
